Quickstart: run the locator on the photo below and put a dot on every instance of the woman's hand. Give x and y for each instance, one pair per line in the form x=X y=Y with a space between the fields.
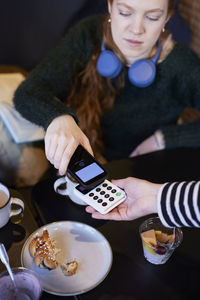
x=61 y=140
x=151 y=144
x=141 y=200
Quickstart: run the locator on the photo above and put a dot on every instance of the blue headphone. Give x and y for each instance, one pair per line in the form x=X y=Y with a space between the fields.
x=141 y=73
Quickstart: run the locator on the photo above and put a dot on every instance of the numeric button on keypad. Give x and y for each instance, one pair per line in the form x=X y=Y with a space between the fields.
x=107 y=196
x=109 y=188
x=113 y=191
x=102 y=192
x=95 y=197
x=91 y=194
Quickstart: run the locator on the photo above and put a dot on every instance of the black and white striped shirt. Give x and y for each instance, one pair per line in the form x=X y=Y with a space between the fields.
x=179 y=204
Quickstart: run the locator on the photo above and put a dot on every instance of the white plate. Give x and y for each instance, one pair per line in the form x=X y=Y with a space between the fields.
x=77 y=241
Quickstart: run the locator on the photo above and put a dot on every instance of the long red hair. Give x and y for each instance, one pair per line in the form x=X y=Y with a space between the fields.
x=96 y=93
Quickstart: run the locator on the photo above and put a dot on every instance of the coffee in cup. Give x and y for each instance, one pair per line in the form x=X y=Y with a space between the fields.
x=6 y=205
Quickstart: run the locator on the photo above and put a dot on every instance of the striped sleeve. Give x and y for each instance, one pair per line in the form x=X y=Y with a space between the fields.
x=178 y=204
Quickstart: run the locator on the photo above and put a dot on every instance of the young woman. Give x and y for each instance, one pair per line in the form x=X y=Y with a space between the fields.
x=132 y=110
x=177 y=203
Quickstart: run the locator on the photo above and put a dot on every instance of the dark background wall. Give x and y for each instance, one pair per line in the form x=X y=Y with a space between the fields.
x=30 y=28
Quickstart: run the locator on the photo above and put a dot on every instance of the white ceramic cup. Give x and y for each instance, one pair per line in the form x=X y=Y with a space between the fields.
x=69 y=190
x=6 y=210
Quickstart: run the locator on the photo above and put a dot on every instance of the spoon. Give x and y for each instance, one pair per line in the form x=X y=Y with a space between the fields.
x=5 y=260
x=18 y=294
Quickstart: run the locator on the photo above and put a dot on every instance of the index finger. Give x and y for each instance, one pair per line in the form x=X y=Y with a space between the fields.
x=67 y=154
x=119 y=182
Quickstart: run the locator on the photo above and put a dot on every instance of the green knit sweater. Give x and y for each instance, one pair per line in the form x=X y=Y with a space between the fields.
x=137 y=112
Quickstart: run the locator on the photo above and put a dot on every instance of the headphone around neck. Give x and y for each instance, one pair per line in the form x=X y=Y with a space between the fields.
x=141 y=73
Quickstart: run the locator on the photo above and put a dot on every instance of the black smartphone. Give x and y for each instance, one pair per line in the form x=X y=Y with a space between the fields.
x=87 y=171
